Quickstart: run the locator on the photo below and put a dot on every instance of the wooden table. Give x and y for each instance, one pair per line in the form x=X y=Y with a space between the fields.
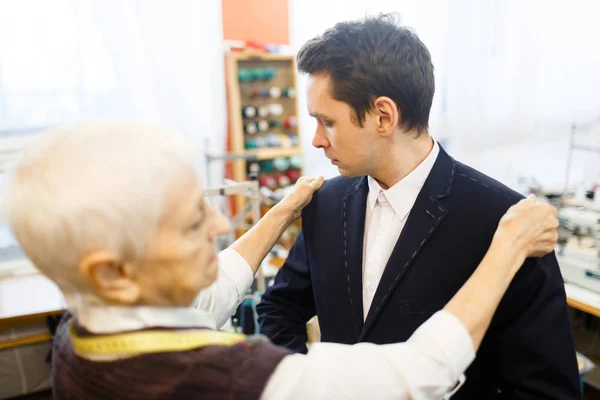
x=27 y=301
x=583 y=299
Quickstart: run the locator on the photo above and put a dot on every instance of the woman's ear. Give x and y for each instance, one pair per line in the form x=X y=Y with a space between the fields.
x=110 y=277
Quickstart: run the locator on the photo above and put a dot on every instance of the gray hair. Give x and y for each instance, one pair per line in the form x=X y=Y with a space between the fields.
x=92 y=186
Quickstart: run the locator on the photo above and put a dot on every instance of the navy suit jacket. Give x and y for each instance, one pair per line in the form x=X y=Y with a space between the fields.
x=528 y=352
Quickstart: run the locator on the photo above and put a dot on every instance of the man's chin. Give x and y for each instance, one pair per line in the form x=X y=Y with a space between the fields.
x=346 y=173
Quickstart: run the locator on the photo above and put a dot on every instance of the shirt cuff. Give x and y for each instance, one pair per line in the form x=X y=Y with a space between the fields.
x=451 y=338
x=232 y=264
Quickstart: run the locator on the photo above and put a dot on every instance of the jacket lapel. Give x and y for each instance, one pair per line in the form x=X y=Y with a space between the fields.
x=353 y=225
x=425 y=217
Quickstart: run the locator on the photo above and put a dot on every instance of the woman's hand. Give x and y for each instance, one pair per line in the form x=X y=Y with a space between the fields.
x=529 y=228
x=302 y=193
x=255 y=244
x=526 y=230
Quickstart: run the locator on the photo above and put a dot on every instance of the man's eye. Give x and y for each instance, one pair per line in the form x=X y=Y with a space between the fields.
x=327 y=124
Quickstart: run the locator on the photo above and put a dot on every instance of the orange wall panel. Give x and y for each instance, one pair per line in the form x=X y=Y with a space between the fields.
x=263 y=21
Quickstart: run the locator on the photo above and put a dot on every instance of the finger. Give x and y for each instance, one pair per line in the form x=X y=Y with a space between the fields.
x=541 y=251
x=316 y=183
x=550 y=223
x=544 y=211
x=542 y=247
x=552 y=213
x=548 y=237
x=302 y=180
x=523 y=203
x=312 y=180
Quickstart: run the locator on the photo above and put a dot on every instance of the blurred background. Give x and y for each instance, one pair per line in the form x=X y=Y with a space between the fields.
x=512 y=77
x=517 y=97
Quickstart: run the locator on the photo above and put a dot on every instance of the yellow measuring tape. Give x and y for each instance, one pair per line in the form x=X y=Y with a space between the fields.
x=144 y=342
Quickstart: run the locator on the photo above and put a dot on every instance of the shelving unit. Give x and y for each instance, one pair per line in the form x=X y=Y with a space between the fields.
x=264 y=135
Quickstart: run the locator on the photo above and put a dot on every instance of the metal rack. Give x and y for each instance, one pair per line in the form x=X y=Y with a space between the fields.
x=575 y=146
x=250 y=189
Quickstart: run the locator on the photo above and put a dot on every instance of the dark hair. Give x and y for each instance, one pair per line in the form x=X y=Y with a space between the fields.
x=370 y=58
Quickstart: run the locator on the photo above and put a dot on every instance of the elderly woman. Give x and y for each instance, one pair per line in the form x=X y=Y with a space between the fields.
x=116 y=216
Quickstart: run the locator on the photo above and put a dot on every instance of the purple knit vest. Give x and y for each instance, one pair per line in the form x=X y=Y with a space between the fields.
x=233 y=372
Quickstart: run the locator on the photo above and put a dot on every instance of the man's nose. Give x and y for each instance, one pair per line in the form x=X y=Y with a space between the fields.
x=319 y=140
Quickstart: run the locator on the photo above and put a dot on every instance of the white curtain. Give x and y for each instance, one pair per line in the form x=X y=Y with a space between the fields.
x=153 y=61
x=158 y=62
x=512 y=76
x=518 y=75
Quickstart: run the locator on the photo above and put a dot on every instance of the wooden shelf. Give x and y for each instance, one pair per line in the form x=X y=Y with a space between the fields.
x=265 y=153
x=260 y=56
x=268 y=153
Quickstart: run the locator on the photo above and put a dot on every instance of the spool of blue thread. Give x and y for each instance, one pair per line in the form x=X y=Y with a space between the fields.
x=250 y=143
x=267 y=165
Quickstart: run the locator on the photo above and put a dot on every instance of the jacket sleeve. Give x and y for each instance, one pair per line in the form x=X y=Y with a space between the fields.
x=537 y=358
x=288 y=304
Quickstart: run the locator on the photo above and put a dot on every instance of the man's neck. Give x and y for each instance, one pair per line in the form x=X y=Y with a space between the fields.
x=401 y=158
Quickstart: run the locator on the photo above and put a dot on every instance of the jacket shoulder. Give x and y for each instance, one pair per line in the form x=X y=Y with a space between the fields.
x=480 y=190
x=339 y=186
x=328 y=199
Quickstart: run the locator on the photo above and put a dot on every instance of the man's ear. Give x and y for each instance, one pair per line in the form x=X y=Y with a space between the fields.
x=109 y=276
x=388 y=115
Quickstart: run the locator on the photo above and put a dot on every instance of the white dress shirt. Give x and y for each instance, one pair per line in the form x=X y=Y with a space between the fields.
x=427 y=366
x=386 y=215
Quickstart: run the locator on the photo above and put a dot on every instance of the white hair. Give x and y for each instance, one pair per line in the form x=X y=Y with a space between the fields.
x=92 y=186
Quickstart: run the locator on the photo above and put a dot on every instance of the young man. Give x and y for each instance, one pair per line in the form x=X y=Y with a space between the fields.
x=116 y=216
x=389 y=242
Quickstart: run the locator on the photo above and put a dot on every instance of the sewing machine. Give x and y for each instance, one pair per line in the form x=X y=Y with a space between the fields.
x=578 y=249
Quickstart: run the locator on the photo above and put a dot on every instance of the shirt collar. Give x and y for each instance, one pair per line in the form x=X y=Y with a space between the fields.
x=403 y=194
x=111 y=319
